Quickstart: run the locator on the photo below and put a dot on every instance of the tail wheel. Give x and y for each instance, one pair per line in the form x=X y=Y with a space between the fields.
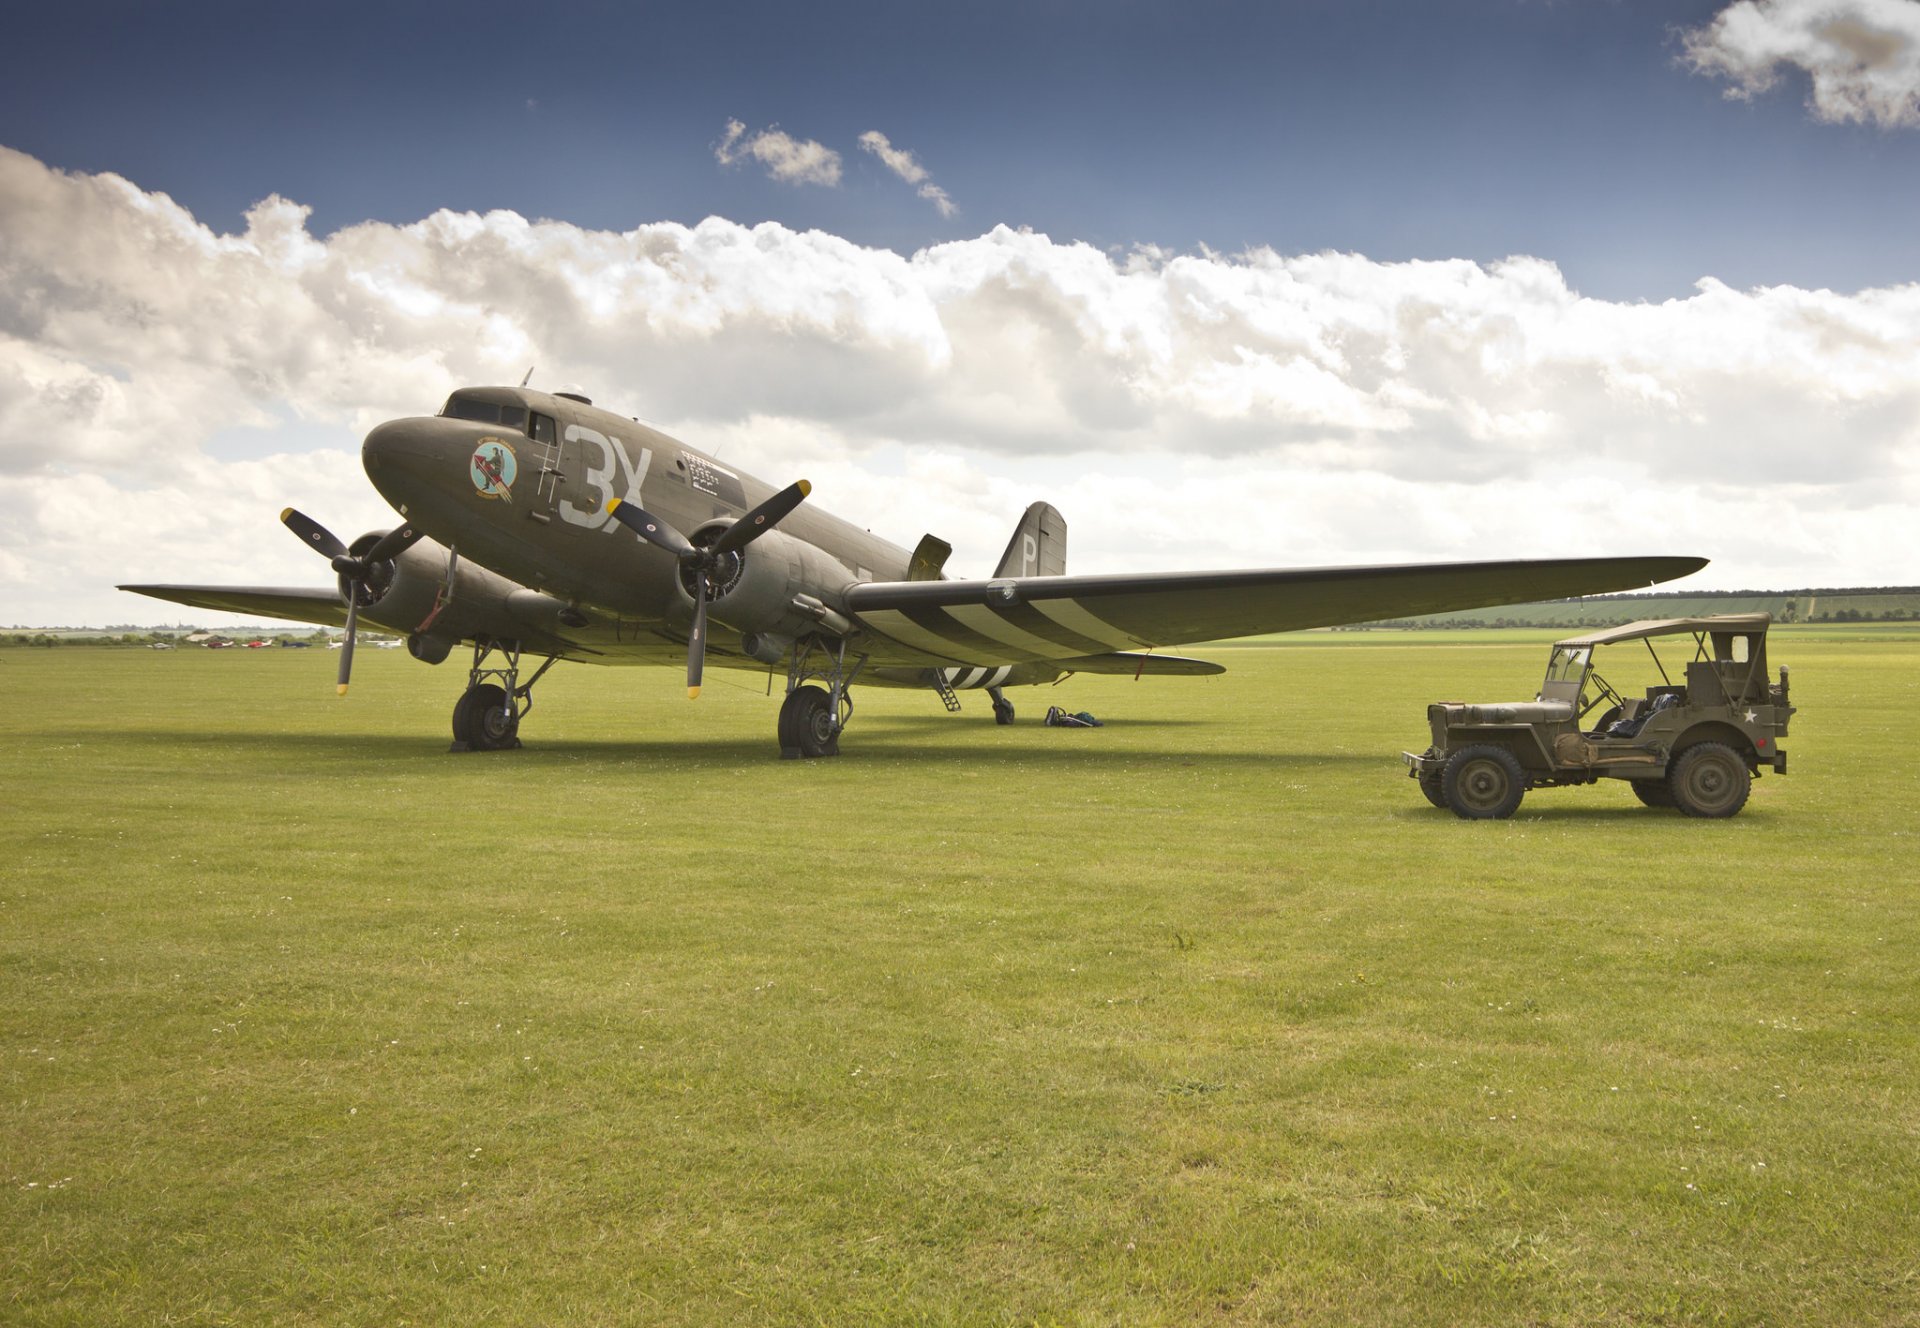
x=1483 y=782
x=1709 y=780
x=1653 y=792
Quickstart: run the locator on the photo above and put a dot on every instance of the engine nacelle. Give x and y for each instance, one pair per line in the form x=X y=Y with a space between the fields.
x=754 y=591
x=410 y=596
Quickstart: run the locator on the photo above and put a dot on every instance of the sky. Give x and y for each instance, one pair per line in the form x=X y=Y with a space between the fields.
x=1278 y=284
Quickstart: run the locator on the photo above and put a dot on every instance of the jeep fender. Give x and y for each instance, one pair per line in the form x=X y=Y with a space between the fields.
x=1714 y=730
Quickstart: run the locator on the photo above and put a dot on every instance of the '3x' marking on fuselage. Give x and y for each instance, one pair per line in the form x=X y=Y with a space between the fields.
x=607 y=473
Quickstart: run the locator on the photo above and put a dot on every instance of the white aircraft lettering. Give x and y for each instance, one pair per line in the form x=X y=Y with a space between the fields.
x=608 y=474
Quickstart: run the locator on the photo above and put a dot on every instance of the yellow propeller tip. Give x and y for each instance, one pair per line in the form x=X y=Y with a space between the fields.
x=285 y=512
x=611 y=504
x=342 y=690
x=693 y=693
x=804 y=487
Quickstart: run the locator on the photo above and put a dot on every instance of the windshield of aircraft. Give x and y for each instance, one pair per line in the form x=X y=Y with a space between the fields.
x=1569 y=664
x=461 y=407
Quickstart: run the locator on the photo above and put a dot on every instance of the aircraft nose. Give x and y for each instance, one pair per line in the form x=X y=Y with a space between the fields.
x=402 y=445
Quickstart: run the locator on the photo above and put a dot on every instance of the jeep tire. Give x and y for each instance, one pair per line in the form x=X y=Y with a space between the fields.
x=1656 y=793
x=1483 y=782
x=1709 y=780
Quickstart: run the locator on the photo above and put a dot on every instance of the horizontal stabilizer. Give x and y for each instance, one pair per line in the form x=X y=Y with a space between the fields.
x=1136 y=666
x=929 y=556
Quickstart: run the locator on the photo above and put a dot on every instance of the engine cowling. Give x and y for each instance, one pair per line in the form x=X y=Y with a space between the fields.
x=411 y=595
x=776 y=587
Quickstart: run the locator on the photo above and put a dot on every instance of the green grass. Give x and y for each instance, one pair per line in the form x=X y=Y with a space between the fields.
x=1204 y=1016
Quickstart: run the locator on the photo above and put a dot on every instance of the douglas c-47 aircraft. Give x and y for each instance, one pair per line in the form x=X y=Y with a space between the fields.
x=538 y=525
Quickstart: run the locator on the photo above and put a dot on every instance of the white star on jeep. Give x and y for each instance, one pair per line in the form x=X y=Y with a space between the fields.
x=1752 y=716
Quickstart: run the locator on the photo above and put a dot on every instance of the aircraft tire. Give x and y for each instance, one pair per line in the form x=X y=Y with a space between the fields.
x=462 y=715
x=1655 y=793
x=492 y=723
x=1003 y=712
x=807 y=723
x=1709 y=780
x=1483 y=782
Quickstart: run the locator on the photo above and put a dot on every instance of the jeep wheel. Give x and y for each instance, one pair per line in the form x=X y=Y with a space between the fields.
x=1483 y=782
x=1709 y=780
x=1653 y=792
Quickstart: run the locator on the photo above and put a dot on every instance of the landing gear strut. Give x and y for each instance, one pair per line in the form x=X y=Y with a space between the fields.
x=487 y=716
x=811 y=717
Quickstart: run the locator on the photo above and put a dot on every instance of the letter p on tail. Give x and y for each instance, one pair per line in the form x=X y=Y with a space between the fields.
x=1038 y=546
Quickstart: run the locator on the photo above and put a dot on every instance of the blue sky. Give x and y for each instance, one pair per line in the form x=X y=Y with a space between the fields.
x=1283 y=284
x=1466 y=129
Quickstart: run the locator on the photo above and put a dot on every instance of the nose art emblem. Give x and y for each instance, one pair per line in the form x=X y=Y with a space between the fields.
x=492 y=469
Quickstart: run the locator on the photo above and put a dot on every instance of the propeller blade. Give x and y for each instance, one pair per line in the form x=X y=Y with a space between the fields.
x=313 y=534
x=697 y=642
x=761 y=519
x=392 y=544
x=346 y=650
x=651 y=529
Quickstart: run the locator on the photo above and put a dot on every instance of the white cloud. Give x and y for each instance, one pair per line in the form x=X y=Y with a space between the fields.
x=787 y=159
x=1863 y=55
x=162 y=388
x=903 y=164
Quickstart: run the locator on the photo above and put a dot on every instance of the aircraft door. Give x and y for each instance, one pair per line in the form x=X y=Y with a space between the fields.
x=549 y=471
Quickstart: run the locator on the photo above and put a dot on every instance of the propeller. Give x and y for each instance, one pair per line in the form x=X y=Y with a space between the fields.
x=704 y=560
x=356 y=573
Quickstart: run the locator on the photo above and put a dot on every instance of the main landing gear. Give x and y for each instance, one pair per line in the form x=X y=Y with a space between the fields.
x=487 y=716
x=812 y=717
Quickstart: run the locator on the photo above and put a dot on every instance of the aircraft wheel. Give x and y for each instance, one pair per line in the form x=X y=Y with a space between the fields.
x=1709 y=780
x=1483 y=782
x=463 y=716
x=1430 y=785
x=491 y=722
x=807 y=725
x=1003 y=712
x=1653 y=792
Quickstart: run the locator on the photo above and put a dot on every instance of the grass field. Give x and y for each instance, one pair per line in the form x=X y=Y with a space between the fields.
x=1204 y=1016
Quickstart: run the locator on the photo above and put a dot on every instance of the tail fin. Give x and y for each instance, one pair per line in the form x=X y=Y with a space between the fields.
x=1038 y=546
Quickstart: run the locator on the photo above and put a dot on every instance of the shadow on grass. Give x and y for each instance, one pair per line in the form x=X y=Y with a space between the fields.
x=890 y=742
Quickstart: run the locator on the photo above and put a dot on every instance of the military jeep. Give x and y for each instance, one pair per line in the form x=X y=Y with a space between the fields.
x=1695 y=744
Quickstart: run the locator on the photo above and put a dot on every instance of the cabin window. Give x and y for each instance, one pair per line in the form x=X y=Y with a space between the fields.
x=542 y=430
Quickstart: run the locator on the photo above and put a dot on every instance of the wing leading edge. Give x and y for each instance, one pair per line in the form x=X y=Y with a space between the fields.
x=296 y=603
x=1014 y=619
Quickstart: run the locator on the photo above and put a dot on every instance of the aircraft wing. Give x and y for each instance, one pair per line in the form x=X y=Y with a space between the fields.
x=299 y=603
x=1012 y=619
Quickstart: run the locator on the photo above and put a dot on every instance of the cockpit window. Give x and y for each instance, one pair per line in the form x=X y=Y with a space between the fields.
x=462 y=407
x=542 y=428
